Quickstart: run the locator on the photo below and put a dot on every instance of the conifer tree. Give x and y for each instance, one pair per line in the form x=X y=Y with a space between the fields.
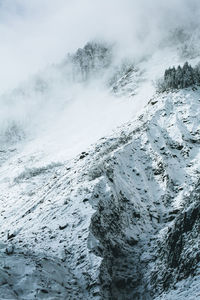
x=180 y=77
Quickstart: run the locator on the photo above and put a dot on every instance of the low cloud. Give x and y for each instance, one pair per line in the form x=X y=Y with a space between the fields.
x=38 y=33
x=35 y=33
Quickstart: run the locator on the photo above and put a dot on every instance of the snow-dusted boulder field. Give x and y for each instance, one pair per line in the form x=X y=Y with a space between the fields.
x=119 y=221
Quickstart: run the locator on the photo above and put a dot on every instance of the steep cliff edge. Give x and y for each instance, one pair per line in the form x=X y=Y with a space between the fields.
x=147 y=221
x=120 y=221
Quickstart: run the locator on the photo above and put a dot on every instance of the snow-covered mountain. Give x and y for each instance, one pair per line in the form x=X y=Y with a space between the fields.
x=100 y=179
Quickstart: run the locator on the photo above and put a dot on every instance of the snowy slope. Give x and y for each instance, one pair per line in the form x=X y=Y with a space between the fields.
x=67 y=107
x=90 y=210
x=108 y=224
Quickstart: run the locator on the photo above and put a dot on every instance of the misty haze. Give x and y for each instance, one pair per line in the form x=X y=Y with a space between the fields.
x=99 y=150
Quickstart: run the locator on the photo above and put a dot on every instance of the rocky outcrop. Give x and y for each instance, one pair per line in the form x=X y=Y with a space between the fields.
x=145 y=182
x=90 y=60
x=179 y=250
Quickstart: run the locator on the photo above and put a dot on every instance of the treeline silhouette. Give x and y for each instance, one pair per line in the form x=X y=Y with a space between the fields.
x=180 y=78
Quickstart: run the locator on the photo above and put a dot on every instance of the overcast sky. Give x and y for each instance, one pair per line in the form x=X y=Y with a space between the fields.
x=35 y=33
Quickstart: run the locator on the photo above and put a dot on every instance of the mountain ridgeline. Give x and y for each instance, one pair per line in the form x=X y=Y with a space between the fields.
x=100 y=185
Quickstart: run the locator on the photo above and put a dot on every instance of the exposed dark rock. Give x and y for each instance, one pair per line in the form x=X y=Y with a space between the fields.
x=62 y=227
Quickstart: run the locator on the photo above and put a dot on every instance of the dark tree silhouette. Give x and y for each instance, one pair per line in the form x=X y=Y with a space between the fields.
x=180 y=77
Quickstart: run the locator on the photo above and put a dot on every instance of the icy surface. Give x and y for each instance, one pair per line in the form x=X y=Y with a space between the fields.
x=90 y=210
x=104 y=224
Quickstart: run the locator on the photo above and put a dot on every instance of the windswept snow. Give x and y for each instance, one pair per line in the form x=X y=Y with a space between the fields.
x=99 y=171
x=91 y=227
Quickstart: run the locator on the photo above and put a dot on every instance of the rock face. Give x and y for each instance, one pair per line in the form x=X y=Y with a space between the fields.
x=148 y=221
x=90 y=60
x=121 y=222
